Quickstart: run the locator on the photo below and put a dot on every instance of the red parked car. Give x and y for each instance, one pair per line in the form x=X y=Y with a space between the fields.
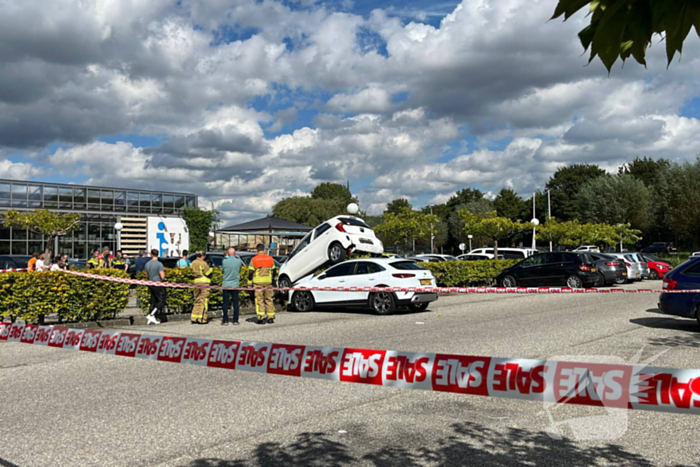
x=657 y=267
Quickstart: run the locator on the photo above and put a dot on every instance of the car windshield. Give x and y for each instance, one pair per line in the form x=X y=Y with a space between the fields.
x=406 y=265
x=451 y=258
x=354 y=221
x=652 y=257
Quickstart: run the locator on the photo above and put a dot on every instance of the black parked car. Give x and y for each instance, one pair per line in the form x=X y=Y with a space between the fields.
x=611 y=270
x=574 y=270
x=14 y=261
x=661 y=247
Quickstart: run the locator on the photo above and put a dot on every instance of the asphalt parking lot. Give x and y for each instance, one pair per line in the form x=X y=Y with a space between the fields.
x=80 y=409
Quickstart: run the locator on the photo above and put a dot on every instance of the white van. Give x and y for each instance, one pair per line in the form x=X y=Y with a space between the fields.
x=587 y=249
x=507 y=253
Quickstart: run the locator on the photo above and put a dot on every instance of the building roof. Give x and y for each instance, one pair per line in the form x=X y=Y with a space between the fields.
x=77 y=185
x=267 y=224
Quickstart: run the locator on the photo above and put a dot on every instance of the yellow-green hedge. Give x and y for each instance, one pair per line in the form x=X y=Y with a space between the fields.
x=31 y=295
x=467 y=273
x=182 y=300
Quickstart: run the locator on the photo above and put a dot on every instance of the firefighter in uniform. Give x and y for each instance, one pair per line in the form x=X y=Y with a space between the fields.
x=201 y=272
x=94 y=262
x=263 y=273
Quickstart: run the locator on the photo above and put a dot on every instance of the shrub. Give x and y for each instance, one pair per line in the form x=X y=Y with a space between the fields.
x=30 y=296
x=467 y=273
x=182 y=300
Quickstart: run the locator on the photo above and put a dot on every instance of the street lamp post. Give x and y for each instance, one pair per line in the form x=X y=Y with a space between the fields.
x=118 y=227
x=470 y=241
x=535 y=223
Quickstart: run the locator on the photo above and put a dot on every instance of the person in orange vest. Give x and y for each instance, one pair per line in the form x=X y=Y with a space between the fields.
x=32 y=261
x=263 y=273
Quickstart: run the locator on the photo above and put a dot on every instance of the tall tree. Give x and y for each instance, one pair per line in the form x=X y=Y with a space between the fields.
x=565 y=185
x=682 y=185
x=616 y=199
x=645 y=169
x=464 y=196
x=397 y=205
x=406 y=226
x=509 y=204
x=308 y=211
x=333 y=191
x=42 y=221
x=199 y=223
x=624 y=28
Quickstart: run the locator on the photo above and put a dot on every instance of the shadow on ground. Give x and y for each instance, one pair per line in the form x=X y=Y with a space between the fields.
x=471 y=444
x=690 y=327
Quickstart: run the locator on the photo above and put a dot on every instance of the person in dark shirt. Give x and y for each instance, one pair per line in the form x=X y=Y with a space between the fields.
x=140 y=262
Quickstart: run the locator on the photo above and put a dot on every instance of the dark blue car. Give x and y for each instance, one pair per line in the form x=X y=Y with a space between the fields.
x=684 y=277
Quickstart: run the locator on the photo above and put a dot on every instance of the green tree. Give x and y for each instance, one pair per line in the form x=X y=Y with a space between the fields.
x=406 y=226
x=397 y=205
x=308 y=211
x=682 y=185
x=491 y=226
x=624 y=28
x=199 y=223
x=333 y=191
x=509 y=204
x=52 y=225
x=455 y=223
x=646 y=169
x=565 y=185
x=464 y=196
x=616 y=199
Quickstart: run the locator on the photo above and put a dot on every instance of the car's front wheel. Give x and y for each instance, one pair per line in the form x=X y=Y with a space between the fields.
x=574 y=282
x=303 y=301
x=336 y=253
x=418 y=306
x=509 y=281
x=382 y=303
x=654 y=275
x=600 y=280
x=284 y=282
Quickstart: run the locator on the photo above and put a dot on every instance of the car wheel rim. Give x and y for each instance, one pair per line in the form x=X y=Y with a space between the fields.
x=303 y=302
x=335 y=253
x=508 y=282
x=382 y=302
x=573 y=282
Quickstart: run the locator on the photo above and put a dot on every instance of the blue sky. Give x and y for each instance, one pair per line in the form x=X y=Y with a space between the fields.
x=247 y=102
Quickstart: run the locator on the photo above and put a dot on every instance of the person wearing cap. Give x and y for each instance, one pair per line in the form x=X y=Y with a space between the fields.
x=201 y=272
x=263 y=273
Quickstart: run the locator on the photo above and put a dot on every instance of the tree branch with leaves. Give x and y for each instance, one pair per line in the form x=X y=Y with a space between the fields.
x=491 y=226
x=52 y=225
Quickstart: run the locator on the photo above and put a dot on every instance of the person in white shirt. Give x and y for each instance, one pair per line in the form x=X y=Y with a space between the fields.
x=40 y=265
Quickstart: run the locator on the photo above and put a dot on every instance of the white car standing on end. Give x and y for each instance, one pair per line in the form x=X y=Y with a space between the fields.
x=367 y=272
x=329 y=243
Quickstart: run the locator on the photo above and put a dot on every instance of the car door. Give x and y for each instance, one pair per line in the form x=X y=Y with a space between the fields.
x=317 y=254
x=296 y=266
x=337 y=276
x=529 y=271
x=366 y=274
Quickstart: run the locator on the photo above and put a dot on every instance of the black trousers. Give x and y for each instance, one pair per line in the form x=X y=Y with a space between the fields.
x=231 y=296
x=157 y=299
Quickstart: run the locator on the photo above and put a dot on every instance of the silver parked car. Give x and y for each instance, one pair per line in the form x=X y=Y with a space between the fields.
x=634 y=271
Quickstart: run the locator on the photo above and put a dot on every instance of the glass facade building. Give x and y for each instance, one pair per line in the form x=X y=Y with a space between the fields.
x=100 y=208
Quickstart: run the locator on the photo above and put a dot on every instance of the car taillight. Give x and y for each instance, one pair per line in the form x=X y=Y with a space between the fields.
x=340 y=227
x=628 y=265
x=612 y=263
x=669 y=284
x=404 y=275
x=584 y=267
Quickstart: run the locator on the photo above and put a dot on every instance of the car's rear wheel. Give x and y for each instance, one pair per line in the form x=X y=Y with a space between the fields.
x=600 y=281
x=382 y=303
x=509 y=281
x=303 y=301
x=654 y=275
x=418 y=306
x=284 y=282
x=574 y=282
x=336 y=253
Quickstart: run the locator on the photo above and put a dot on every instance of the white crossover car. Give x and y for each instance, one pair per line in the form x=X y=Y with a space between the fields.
x=330 y=242
x=367 y=272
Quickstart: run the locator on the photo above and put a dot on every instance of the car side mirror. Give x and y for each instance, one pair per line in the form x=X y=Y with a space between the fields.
x=321 y=277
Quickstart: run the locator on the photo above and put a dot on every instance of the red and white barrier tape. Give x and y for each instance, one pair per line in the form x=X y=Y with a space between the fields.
x=14 y=270
x=613 y=386
x=462 y=290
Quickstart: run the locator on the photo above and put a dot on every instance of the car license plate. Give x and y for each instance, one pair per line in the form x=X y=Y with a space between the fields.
x=624 y=273
x=592 y=269
x=639 y=275
x=425 y=282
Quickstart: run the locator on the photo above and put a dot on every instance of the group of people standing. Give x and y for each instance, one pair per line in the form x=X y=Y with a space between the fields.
x=38 y=263
x=262 y=273
x=108 y=260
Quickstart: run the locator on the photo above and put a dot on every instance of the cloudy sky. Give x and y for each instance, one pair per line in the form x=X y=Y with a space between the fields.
x=245 y=102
